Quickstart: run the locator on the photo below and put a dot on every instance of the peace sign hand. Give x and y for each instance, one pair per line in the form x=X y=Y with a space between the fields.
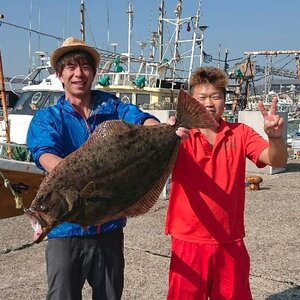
x=273 y=124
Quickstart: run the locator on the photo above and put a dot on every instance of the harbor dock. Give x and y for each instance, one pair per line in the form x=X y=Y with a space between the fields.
x=272 y=219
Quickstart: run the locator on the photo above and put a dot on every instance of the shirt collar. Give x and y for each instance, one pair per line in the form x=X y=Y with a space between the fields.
x=100 y=104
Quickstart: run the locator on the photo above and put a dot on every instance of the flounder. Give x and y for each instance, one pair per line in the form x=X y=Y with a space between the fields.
x=119 y=172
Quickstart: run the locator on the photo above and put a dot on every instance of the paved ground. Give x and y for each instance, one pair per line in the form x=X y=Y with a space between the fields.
x=273 y=231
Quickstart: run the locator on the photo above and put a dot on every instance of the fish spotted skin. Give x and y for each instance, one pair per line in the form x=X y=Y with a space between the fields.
x=119 y=172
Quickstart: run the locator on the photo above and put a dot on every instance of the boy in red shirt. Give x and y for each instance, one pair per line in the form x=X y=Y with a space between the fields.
x=206 y=207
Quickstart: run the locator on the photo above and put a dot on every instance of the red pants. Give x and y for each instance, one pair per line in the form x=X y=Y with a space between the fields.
x=215 y=272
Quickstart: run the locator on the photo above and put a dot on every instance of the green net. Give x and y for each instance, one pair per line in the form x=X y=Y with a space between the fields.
x=17 y=152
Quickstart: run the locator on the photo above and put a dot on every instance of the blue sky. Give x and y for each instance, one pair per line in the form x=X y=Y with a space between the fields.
x=235 y=25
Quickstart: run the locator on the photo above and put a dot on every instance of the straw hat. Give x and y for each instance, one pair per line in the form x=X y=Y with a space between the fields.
x=73 y=44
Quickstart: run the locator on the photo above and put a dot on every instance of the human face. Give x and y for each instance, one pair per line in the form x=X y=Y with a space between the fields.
x=77 y=78
x=211 y=97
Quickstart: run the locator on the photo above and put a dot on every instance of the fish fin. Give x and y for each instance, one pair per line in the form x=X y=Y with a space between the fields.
x=146 y=202
x=142 y=206
x=112 y=127
x=88 y=190
x=192 y=114
x=71 y=195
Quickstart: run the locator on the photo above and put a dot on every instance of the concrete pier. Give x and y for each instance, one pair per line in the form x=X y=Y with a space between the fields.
x=272 y=221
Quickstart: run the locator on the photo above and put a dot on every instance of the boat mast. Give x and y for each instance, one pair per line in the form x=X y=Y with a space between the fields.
x=269 y=54
x=195 y=38
x=161 y=30
x=176 y=55
x=29 y=43
x=130 y=18
x=4 y=108
x=82 y=20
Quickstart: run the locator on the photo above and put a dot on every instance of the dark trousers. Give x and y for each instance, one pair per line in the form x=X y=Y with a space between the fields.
x=73 y=260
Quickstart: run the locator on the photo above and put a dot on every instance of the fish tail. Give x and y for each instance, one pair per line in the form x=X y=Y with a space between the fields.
x=191 y=113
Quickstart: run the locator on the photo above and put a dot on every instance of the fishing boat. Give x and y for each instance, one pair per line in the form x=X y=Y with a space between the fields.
x=157 y=79
x=20 y=178
x=154 y=86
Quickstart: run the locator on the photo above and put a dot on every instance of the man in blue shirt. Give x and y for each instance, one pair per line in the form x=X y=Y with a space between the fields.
x=74 y=254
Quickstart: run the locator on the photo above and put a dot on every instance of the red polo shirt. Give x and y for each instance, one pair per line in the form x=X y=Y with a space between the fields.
x=207 y=197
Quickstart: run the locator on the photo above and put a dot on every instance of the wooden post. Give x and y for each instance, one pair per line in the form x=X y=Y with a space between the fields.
x=4 y=107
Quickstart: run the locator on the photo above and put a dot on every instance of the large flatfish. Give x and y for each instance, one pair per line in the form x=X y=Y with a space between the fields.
x=119 y=172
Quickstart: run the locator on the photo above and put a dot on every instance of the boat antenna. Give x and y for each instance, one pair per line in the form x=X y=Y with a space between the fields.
x=68 y=18
x=199 y=5
x=39 y=36
x=107 y=21
x=29 y=42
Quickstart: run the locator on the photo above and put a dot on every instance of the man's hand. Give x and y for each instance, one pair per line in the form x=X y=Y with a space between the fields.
x=276 y=154
x=181 y=131
x=273 y=124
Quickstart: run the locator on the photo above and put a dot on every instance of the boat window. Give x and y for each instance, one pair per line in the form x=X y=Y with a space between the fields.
x=228 y=105
x=52 y=99
x=126 y=98
x=142 y=100
x=31 y=101
x=167 y=102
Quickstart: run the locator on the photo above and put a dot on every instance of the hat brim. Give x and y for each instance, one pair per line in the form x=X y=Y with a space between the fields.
x=59 y=52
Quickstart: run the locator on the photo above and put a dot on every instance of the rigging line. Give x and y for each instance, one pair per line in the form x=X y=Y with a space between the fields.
x=281 y=59
x=252 y=76
x=279 y=69
x=286 y=64
x=32 y=30
x=149 y=27
x=90 y=27
x=229 y=60
x=104 y=52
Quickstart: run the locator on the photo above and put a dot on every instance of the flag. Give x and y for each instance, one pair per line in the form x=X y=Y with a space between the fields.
x=188 y=27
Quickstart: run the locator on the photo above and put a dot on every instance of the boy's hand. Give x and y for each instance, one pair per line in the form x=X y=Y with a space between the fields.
x=273 y=124
x=181 y=131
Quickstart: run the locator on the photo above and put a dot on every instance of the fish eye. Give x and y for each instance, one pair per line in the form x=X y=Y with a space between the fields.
x=39 y=197
x=44 y=208
x=41 y=208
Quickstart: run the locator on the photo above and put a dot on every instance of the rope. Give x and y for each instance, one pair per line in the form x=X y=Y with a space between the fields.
x=18 y=199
